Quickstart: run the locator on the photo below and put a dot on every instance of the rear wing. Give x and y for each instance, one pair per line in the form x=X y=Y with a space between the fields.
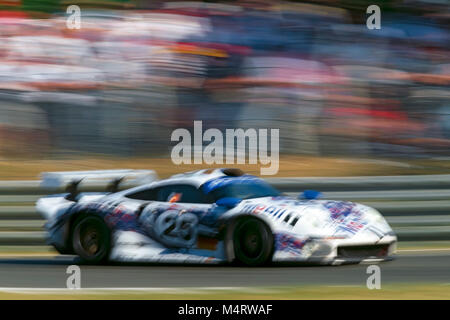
x=96 y=180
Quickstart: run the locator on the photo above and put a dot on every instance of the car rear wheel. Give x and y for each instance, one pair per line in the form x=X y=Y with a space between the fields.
x=91 y=239
x=252 y=242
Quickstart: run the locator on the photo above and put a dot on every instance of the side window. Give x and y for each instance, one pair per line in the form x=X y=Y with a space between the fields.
x=182 y=193
x=147 y=194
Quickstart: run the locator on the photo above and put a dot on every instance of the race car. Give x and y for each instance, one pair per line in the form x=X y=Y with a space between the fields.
x=212 y=216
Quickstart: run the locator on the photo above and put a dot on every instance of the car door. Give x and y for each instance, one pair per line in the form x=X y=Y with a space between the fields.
x=172 y=217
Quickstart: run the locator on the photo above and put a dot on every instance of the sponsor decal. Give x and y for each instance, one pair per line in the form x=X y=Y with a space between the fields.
x=288 y=243
x=122 y=218
x=346 y=216
x=274 y=211
x=339 y=210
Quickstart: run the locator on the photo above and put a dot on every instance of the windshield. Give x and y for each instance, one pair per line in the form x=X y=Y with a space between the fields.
x=245 y=190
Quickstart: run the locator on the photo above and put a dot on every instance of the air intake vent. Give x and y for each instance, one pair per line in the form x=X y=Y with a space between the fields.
x=366 y=251
x=233 y=172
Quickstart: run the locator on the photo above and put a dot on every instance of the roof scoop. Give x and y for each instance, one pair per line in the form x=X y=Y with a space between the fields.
x=233 y=172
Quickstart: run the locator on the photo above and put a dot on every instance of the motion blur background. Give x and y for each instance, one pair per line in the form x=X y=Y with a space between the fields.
x=348 y=101
x=137 y=70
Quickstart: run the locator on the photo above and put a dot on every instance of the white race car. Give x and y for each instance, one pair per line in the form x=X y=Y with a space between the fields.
x=213 y=216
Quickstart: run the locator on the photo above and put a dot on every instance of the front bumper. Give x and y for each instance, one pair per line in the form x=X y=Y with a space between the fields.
x=340 y=251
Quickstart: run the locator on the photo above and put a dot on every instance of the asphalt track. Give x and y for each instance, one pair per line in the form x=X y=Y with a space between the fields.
x=41 y=272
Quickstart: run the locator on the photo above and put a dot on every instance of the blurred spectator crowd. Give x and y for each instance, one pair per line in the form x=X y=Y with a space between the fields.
x=124 y=81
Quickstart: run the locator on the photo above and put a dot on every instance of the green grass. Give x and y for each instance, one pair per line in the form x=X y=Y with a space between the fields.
x=388 y=292
x=27 y=251
x=422 y=245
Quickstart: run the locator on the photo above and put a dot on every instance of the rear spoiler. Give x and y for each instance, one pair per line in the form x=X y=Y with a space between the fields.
x=96 y=180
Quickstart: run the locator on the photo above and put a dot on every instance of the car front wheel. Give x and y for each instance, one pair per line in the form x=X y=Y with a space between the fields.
x=253 y=242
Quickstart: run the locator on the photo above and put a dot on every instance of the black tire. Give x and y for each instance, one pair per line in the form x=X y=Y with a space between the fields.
x=253 y=242
x=91 y=239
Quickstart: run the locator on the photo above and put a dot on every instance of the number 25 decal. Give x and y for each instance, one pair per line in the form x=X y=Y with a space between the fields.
x=176 y=230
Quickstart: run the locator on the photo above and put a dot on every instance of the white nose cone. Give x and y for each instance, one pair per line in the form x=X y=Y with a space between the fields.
x=314 y=222
x=342 y=220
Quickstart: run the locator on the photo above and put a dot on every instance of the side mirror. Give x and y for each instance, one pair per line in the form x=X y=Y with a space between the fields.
x=310 y=195
x=228 y=202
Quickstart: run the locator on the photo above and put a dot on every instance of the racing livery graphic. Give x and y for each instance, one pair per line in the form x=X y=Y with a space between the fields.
x=212 y=216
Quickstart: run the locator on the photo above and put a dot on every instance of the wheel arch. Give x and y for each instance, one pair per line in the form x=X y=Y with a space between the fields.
x=74 y=216
x=79 y=221
x=231 y=223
